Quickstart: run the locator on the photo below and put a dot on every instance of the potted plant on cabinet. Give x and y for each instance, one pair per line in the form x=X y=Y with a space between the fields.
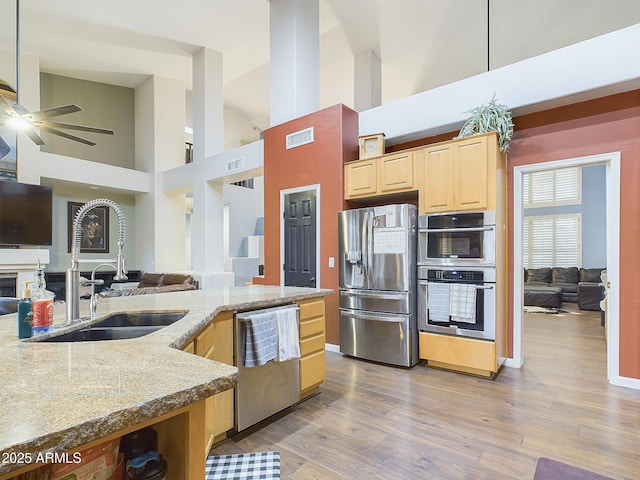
x=490 y=117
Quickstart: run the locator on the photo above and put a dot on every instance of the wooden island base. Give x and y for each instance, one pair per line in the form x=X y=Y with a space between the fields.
x=181 y=442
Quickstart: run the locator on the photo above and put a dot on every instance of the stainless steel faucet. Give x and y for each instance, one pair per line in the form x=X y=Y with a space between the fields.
x=93 y=302
x=72 y=287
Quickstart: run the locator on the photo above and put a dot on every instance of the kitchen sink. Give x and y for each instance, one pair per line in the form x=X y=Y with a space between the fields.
x=120 y=326
x=140 y=319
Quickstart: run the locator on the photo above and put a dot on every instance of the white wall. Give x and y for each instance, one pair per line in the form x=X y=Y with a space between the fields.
x=594 y=68
x=246 y=206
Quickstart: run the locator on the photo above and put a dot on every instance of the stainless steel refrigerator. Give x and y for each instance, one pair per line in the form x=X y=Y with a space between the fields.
x=377 y=268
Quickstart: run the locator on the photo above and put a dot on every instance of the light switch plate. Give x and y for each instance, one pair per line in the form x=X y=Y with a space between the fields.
x=332 y=262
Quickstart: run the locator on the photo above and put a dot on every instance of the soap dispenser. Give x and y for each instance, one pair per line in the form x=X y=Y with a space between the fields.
x=24 y=312
x=41 y=304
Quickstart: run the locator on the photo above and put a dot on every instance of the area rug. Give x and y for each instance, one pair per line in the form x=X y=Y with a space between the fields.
x=548 y=469
x=246 y=466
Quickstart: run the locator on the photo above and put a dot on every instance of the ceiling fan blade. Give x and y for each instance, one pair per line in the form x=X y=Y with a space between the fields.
x=35 y=138
x=55 y=112
x=6 y=106
x=66 y=135
x=69 y=126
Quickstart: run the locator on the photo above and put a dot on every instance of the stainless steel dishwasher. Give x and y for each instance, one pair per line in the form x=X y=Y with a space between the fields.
x=262 y=390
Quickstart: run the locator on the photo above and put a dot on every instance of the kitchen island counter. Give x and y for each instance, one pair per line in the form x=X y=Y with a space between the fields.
x=56 y=397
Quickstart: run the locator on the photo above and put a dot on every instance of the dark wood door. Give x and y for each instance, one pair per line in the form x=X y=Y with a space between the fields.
x=300 y=239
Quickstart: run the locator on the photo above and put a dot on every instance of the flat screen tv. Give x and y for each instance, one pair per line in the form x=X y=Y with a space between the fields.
x=25 y=214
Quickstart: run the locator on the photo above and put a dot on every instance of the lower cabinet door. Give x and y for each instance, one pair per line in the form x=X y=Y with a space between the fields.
x=464 y=352
x=312 y=370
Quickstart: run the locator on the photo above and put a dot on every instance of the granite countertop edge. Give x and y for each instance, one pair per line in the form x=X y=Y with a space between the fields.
x=212 y=377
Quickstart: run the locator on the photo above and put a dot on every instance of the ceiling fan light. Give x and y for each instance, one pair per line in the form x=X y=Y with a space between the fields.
x=18 y=123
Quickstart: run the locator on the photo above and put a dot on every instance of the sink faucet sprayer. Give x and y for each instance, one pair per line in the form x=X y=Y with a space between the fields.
x=72 y=288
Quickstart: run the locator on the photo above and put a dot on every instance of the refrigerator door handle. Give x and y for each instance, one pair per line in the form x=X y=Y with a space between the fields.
x=370 y=248
x=373 y=316
x=374 y=294
x=365 y=252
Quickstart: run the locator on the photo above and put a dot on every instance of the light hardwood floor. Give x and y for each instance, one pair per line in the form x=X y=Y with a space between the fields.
x=373 y=421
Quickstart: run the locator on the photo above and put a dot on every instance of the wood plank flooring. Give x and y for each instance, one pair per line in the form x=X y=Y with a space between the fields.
x=373 y=421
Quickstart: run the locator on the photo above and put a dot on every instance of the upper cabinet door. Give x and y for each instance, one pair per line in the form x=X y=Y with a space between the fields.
x=361 y=178
x=470 y=163
x=396 y=172
x=436 y=182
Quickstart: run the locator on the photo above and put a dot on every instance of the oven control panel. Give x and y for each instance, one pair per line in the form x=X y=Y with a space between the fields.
x=459 y=275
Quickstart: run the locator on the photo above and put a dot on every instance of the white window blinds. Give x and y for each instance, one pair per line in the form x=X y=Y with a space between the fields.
x=562 y=186
x=552 y=241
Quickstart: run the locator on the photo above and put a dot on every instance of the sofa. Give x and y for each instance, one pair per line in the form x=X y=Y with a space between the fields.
x=153 y=283
x=549 y=287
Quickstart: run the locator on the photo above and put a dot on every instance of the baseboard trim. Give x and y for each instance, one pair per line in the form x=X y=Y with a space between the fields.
x=330 y=347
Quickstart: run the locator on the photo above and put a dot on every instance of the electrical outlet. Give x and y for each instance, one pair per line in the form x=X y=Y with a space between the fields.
x=332 y=262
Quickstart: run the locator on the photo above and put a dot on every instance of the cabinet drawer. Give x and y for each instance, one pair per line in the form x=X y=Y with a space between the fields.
x=311 y=327
x=312 y=370
x=312 y=344
x=465 y=352
x=189 y=348
x=310 y=309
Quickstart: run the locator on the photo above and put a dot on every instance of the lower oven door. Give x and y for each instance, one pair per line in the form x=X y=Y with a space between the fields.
x=382 y=337
x=484 y=325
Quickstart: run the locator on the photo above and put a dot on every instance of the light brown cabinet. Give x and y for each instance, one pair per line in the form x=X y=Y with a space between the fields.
x=361 y=178
x=458 y=175
x=383 y=175
x=395 y=172
x=312 y=346
x=215 y=342
x=463 y=354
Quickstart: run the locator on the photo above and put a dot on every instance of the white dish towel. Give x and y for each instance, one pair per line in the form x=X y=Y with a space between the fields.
x=261 y=339
x=462 y=303
x=438 y=301
x=288 y=339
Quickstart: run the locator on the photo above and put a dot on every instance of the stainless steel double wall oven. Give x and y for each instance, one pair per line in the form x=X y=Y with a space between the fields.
x=457 y=274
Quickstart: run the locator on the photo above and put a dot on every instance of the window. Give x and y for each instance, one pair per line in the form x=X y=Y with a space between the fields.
x=552 y=241
x=547 y=188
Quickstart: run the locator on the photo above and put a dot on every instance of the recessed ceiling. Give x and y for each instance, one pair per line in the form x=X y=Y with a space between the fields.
x=422 y=44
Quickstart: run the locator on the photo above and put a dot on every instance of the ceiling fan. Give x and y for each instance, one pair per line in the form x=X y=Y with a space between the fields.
x=19 y=118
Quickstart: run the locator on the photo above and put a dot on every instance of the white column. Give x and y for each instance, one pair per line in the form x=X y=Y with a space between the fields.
x=208 y=105
x=367 y=81
x=160 y=217
x=207 y=234
x=295 y=54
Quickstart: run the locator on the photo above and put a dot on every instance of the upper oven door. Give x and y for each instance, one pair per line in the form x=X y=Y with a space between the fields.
x=457 y=239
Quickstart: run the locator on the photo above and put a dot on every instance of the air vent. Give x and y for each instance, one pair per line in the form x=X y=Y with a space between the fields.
x=300 y=138
x=233 y=165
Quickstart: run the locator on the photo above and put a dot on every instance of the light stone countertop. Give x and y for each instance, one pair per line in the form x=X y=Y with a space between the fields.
x=57 y=396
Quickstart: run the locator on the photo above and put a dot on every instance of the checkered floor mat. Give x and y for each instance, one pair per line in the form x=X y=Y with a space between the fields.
x=249 y=466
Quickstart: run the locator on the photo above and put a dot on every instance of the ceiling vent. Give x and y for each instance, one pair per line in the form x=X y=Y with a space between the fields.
x=233 y=165
x=300 y=138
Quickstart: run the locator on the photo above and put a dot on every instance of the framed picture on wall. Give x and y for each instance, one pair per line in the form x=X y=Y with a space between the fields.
x=94 y=231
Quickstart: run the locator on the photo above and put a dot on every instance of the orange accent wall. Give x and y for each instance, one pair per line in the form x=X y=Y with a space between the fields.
x=321 y=162
x=609 y=124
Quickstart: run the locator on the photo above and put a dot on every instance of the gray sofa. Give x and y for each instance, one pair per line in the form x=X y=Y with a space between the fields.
x=155 y=283
x=549 y=287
